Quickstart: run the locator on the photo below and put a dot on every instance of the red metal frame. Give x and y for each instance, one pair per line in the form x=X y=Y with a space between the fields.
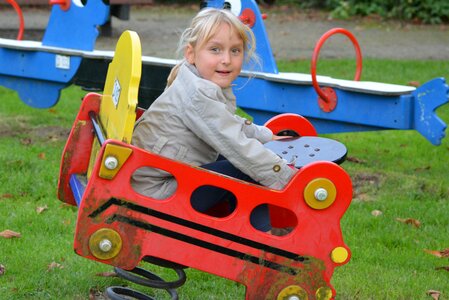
x=228 y=247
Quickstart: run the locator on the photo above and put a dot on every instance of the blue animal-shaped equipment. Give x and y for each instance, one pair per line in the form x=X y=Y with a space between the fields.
x=39 y=70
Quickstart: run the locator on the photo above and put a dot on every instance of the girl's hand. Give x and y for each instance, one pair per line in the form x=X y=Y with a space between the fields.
x=281 y=137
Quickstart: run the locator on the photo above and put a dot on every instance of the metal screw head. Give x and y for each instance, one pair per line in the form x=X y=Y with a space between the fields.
x=111 y=162
x=105 y=245
x=321 y=194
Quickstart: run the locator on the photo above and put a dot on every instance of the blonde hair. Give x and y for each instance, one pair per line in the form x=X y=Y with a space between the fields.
x=204 y=25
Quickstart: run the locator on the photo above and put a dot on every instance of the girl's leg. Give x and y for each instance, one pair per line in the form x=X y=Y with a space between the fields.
x=206 y=197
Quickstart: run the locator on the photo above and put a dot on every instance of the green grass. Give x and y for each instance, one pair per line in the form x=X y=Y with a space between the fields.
x=396 y=172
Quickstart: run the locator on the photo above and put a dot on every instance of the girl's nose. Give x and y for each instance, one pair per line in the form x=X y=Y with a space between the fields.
x=226 y=58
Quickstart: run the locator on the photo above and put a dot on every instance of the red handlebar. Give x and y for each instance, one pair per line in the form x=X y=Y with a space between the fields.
x=316 y=53
x=64 y=4
x=21 y=21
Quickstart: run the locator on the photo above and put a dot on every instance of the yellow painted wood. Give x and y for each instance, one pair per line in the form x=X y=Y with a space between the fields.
x=117 y=156
x=339 y=255
x=119 y=100
x=105 y=243
x=312 y=186
x=120 y=95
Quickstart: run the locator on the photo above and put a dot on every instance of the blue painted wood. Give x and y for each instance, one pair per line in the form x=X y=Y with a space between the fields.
x=428 y=98
x=75 y=28
x=263 y=47
x=39 y=76
x=78 y=186
x=355 y=111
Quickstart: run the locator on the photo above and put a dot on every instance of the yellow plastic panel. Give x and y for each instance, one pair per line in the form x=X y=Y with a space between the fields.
x=320 y=183
x=113 y=159
x=339 y=255
x=293 y=292
x=119 y=101
x=105 y=243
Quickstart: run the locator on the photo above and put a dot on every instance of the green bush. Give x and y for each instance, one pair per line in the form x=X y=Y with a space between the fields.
x=426 y=11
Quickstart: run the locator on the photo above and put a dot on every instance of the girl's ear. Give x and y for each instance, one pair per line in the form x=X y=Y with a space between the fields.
x=189 y=54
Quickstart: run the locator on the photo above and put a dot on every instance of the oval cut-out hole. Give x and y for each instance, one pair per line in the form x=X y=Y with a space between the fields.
x=154 y=183
x=213 y=201
x=283 y=220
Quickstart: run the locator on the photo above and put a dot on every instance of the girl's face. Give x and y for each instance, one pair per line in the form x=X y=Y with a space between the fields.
x=220 y=59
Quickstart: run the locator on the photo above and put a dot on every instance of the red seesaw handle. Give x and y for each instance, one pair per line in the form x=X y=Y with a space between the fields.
x=64 y=4
x=20 y=15
x=316 y=53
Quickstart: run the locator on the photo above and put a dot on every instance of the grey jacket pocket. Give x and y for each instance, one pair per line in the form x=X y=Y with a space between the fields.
x=157 y=148
x=169 y=151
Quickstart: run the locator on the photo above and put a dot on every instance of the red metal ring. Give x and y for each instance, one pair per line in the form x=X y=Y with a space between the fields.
x=64 y=4
x=316 y=53
x=248 y=17
x=289 y=121
x=20 y=15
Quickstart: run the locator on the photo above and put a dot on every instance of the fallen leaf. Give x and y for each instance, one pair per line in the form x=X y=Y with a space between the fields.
x=41 y=155
x=410 y=221
x=355 y=160
x=94 y=294
x=26 y=141
x=434 y=294
x=7 y=196
x=443 y=268
x=7 y=234
x=376 y=213
x=107 y=274
x=362 y=197
x=438 y=253
x=2 y=269
x=414 y=83
x=54 y=265
x=421 y=169
x=41 y=209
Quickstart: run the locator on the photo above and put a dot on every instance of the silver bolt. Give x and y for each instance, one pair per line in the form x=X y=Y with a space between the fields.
x=111 y=162
x=321 y=194
x=294 y=297
x=105 y=245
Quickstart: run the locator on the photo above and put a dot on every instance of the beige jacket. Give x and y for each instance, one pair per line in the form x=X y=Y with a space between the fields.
x=193 y=121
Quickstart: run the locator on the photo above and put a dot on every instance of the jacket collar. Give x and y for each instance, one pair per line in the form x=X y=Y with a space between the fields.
x=188 y=70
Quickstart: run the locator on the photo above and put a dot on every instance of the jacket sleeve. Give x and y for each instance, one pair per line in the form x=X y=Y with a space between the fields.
x=213 y=123
x=251 y=130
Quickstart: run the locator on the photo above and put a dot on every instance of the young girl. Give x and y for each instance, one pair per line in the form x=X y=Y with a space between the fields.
x=193 y=120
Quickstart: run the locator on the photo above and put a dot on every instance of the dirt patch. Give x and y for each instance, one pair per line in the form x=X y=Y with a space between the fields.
x=51 y=133
x=366 y=185
x=18 y=128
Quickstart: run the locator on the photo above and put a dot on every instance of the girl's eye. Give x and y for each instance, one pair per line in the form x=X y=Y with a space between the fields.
x=215 y=50
x=236 y=51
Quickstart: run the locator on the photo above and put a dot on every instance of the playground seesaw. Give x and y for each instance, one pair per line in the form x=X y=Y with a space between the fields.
x=39 y=70
x=120 y=227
